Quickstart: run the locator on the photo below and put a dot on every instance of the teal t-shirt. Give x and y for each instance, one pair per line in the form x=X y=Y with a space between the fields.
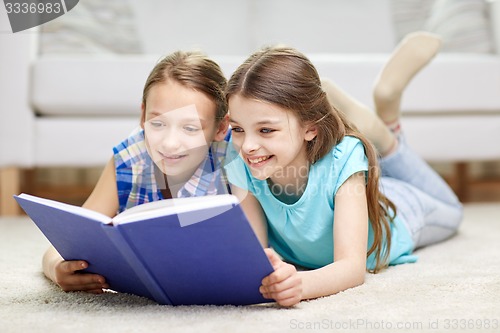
x=302 y=232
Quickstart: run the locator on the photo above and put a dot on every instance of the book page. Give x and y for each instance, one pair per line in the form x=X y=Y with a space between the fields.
x=68 y=208
x=173 y=206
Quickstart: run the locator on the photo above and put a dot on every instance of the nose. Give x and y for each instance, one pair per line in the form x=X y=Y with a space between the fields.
x=250 y=144
x=170 y=140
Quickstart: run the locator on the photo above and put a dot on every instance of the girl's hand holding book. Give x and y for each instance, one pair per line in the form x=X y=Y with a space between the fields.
x=284 y=285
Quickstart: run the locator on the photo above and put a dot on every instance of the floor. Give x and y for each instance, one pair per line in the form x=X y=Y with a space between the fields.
x=453 y=287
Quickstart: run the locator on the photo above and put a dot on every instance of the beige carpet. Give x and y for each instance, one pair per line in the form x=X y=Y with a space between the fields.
x=455 y=286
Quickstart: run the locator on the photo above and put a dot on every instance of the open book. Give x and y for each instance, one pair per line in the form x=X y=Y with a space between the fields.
x=179 y=251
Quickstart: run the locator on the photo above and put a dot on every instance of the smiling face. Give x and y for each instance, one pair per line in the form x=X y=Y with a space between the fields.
x=179 y=125
x=271 y=140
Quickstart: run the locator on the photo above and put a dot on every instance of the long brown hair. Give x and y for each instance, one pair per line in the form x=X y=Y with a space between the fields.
x=287 y=78
x=194 y=70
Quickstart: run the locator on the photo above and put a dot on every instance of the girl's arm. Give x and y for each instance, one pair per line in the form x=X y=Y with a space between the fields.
x=350 y=236
x=104 y=199
x=253 y=211
x=350 y=239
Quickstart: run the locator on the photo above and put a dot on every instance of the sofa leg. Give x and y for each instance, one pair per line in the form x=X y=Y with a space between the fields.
x=462 y=181
x=10 y=184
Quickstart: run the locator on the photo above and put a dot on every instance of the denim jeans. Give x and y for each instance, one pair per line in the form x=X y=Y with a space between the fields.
x=425 y=203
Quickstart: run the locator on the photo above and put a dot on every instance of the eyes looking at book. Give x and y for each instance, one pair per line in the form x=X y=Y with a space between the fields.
x=179 y=126
x=272 y=142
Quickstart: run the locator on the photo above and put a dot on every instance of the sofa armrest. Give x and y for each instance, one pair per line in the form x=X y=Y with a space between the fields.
x=17 y=117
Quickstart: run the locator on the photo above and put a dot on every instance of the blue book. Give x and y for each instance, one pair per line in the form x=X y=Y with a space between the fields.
x=180 y=251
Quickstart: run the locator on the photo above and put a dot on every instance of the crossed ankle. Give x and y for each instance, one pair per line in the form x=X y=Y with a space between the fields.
x=392 y=148
x=394 y=127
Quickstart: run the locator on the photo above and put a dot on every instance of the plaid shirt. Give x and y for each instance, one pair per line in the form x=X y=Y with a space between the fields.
x=137 y=183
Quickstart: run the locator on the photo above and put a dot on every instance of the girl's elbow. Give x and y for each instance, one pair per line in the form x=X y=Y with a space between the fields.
x=359 y=274
x=358 y=277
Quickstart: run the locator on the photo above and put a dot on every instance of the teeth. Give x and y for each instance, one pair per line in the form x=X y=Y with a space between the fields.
x=172 y=156
x=258 y=160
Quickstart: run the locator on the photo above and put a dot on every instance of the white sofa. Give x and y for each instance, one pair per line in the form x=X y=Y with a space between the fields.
x=70 y=109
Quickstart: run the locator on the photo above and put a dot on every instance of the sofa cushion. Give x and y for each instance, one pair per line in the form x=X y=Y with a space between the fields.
x=95 y=27
x=96 y=86
x=448 y=84
x=113 y=87
x=464 y=25
x=86 y=86
x=453 y=82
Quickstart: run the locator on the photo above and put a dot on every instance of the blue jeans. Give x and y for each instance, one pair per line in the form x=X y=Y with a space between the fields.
x=425 y=203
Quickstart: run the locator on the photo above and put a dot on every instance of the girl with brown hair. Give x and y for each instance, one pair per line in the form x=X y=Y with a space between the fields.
x=311 y=183
x=174 y=153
